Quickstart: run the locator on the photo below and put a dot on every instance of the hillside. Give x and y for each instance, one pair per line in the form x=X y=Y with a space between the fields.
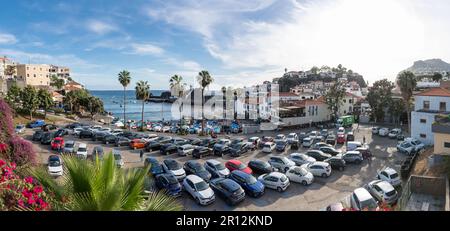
x=429 y=66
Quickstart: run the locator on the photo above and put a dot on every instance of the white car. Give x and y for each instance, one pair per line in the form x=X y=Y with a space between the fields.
x=20 y=128
x=216 y=168
x=307 y=142
x=275 y=180
x=417 y=143
x=383 y=131
x=341 y=131
x=394 y=132
x=185 y=150
x=118 y=158
x=119 y=124
x=375 y=130
x=157 y=128
x=353 y=145
x=82 y=151
x=199 y=190
x=95 y=128
x=362 y=200
x=281 y=163
x=165 y=129
x=390 y=175
x=116 y=132
x=300 y=175
x=107 y=130
x=224 y=142
x=292 y=137
x=410 y=146
x=174 y=167
x=383 y=191
x=280 y=137
x=318 y=168
x=76 y=131
x=268 y=147
x=301 y=159
x=55 y=166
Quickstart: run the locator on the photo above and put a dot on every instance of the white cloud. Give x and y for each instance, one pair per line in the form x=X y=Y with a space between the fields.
x=146 y=49
x=7 y=39
x=100 y=27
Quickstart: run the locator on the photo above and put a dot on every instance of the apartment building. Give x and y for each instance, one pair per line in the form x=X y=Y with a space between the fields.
x=60 y=72
x=428 y=104
x=441 y=132
x=34 y=74
x=348 y=103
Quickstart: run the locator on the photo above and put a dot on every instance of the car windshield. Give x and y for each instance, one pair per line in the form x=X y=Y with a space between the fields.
x=302 y=171
x=223 y=142
x=82 y=149
x=197 y=167
x=406 y=145
x=54 y=163
x=241 y=166
x=219 y=166
x=69 y=145
x=393 y=176
x=173 y=165
x=236 y=146
x=56 y=141
x=200 y=186
x=369 y=204
x=250 y=180
x=291 y=136
x=266 y=145
x=172 y=180
x=280 y=143
x=283 y=178
x=390 y=193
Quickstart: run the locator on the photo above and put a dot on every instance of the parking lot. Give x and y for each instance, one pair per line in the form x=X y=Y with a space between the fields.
x=318 y=195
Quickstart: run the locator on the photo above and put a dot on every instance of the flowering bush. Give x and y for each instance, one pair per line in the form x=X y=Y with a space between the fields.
x=21 y=151
x=20 y=193
x=6 y=122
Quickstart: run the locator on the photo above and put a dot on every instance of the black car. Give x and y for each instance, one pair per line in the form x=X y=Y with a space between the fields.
x=295 y=145
x=195 y=141
x=164 y=139
x=336 y=162
x=260 y=167
x=73 y=125
x=97 y=152
x=208 y=142
x=170 y=183
x=37 y=136
x=47 y=138
x=329 y=150
x=155 y=167
x=221 y=149
x=122 y=141
x=127 y=134
x=49 y=127
x=331 y=139
x=228 y=190
x=61 y=132
x=167 y=149
x=238 y=149
x=152 y=146
x=200 y=152
x=318 y=155
x=86 y=134
x=109 y=139
x=99 y=136
x=194 y=167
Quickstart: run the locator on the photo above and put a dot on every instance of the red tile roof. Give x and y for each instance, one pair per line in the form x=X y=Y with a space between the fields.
x=437 y=91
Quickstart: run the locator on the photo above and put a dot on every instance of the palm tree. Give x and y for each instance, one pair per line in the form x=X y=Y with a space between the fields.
x=142 y=93
x=407 y=82
x=124 y=79
x=224 y=104
x=45 y=100
x=100 y=186
x=204 y=79
x=177 y=87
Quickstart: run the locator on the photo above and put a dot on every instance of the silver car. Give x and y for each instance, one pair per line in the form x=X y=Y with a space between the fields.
x=383 y=191
x=69 y=146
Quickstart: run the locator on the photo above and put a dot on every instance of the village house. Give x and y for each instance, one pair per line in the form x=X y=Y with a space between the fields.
x=72 y=86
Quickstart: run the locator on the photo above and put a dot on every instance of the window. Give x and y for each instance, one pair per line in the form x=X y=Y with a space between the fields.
x=350 y=101
x=446 y=144
x=442 y=106
x=423 y=136
x=426 y=105
x=423 y=121
x=345 y=101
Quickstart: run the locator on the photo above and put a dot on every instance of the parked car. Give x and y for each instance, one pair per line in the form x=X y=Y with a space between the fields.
x=281 y=145
x=301 y=136
x=383 y=191
x=260 y=166
x=47 y=138
x=48 y=127
x=255 y=140
x=238 y=165
x=179 y=141
x=98 y=151
x=281 y=163
x=216 y=168
x=172 y=166
x=383 y=132
x=280 y=137
x=300 y=158
x=264 y=140
x=99 y=135
x=69 y=147
x=77 y=131
x=410 y=146
x=122 y=141
x=37 y=136
x=324 y=133
x=223 y=142
x=394 y=133
x=82 y=151
x=275 y=180
x=208 y=142
x=228 y=190
x=249 y=183
x=307 y=142
x=353 y=145
x=61 y=132
x=350 y=137
x=353 y=157
x=331 y=139
x=137 y=144
x=268 y=147
x=109 y=139
x=340 y=139
x=318 y=145
x=400 y=137
x=19 y=129
x=199 y=190
x=318 y=168
x=318 y=155
x=118 y=159
x=57 y=143
x=194 y=167
x=362 y=200
x=156 y=168
x=329 y=150
x=168 y=149
x=55 y=165
x=85 y=134
x=36 y=123
x=375 y=130
x=221 y=149
x=365 y=152
x=195 y=141
x=336 y=162
x=335 y=207
x=200 y=152
x=169 y=183
x=185 y=150
x=292 y=137
x=300 y=175
x=238 y=149
x=390 y=175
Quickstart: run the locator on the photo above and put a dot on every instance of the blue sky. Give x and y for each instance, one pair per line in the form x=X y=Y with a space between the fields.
x=239 y=42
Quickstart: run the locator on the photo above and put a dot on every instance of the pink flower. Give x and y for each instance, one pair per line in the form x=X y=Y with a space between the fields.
x=3 y=147
x=37 y=189
x=2 y=162
x=29 y=179
x=31 y=201
x=21 y=204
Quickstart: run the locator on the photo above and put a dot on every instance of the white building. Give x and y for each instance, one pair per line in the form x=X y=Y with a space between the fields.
x=427 y=105
x=348 y=103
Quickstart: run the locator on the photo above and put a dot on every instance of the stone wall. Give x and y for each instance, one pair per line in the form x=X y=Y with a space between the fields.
x=435 y=186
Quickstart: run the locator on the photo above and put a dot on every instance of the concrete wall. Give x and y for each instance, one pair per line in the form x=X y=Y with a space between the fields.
x=418 y=128
x=439 y=140
x=34 y=74
x=435 y=186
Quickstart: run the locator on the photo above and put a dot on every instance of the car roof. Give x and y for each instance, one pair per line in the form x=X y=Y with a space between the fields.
x=268 y=143
x=194 y=178
x=54 y=157
x=362 y=194
x=82 y=145
x=353 y=152
x=58 y=138
x=321 y=163
x=213 y=161
x=385 y=186
x=354 y=142
x=389 y=170
x=240 y=173
x=276 y=174
x=235 y=162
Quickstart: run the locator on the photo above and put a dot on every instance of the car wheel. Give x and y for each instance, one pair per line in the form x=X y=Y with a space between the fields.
x=286 y=169
x=279 y=189
x=324 y=175
x=304 y=183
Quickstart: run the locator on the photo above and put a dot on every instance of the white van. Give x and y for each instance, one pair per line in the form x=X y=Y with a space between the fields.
x=352 y=145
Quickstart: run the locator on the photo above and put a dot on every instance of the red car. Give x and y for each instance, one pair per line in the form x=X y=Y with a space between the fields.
x=57 y=143
x=237 y=165
x=340 y=139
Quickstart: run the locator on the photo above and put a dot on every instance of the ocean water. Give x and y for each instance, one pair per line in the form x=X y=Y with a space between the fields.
x=113 y=102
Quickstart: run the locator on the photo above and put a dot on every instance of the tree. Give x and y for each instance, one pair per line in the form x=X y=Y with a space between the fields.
x=407 y=82
x=437 y=77
x=100 y=186
x=69 y=99
x=124 y=79
x=95 y=106
x=29 y=99
x=224 y=103
x=45 y=100
x=204 y=79
x=379 y=97
x=142 y=93
x=56 y=82
x=10 y=70
x=315 y=70
x=177 y=88
x=396 y=109
x=334 y=98
x=13 y=96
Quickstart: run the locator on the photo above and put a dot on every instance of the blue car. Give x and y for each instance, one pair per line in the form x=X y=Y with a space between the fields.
x=249 y=183
x=168 y=182
x=36 y=123
x=155 y=167
x=281 y=146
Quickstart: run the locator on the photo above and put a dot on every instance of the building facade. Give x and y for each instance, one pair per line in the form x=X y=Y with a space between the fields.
x=441 y=132
x=34 y=74
x=60 y=72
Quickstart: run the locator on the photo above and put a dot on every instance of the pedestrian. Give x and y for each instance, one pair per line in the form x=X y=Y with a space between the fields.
x=141 y=155
x=369 y=160
x=364 y=139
